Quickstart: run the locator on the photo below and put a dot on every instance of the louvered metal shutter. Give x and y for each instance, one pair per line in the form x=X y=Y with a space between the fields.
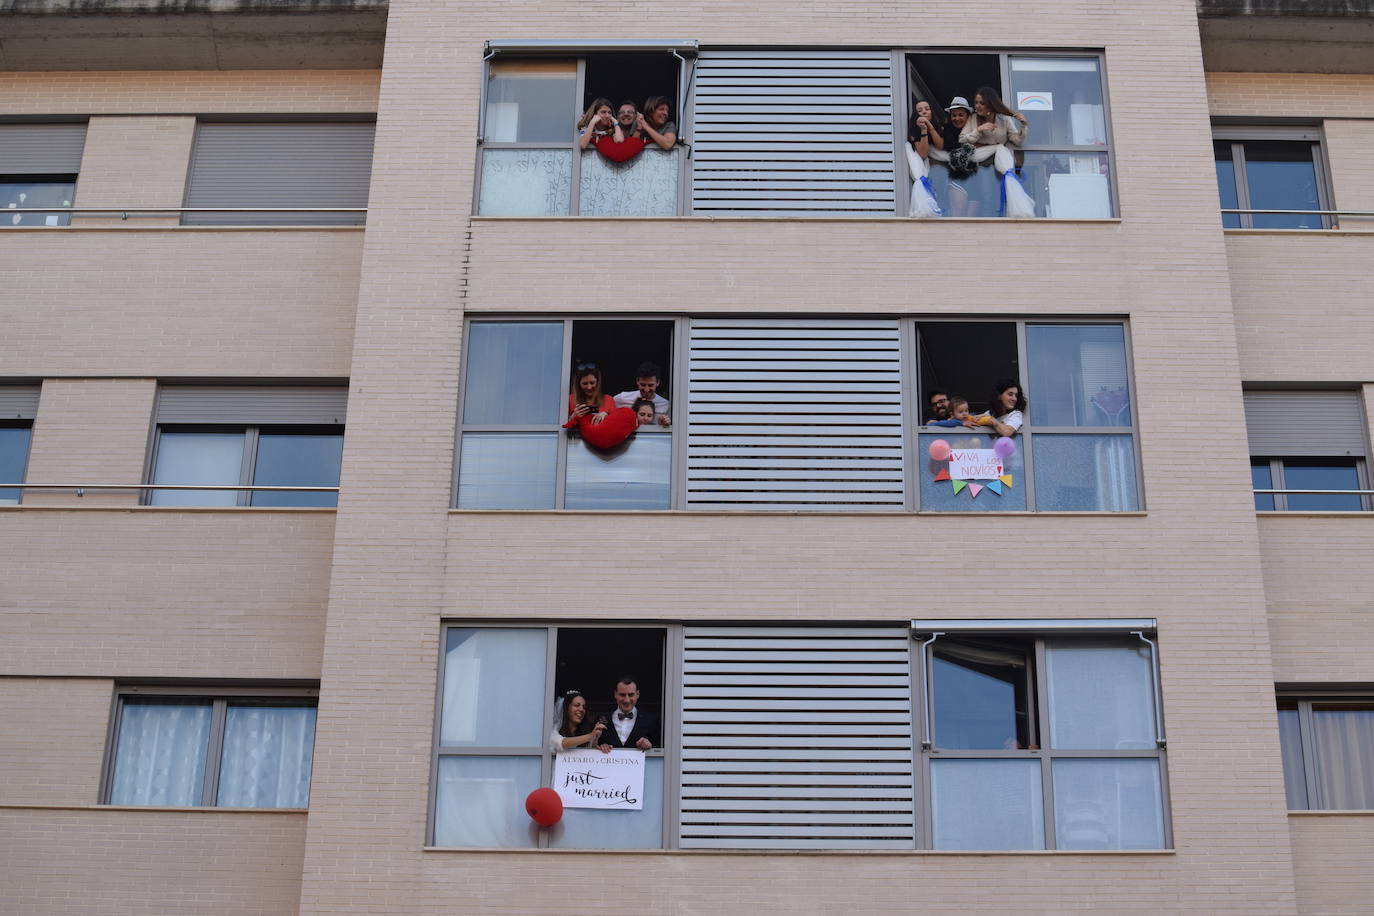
x=796 y=738
x=252 y=405
x=794 y=414
x=18 y=402
x=279 y=165
x=793 y=133
x=41 y=149
x=1309 y=424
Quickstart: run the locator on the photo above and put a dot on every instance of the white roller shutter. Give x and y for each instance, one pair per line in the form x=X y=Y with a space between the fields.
x=793 y=133
x=256 y=406
x=796 y=738
x=1305 y=424
x=41 y=149
x=18 y=402
x=794 y=414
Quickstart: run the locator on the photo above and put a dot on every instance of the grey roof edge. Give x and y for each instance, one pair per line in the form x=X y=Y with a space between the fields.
x=1308 y=9
x=175 y=7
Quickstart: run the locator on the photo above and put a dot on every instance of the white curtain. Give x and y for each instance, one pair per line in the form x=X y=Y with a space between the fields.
x=1108 y=804
x=481 y=802
x=160 y=754
x=1101 y=695
x=267 y=756
x=1344 y=741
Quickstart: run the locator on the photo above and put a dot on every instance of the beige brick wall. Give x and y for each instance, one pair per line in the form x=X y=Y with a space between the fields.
x=1348 y=150
x=53 y=739
x=1331 y=856
x=134 y=162
x=185 y=92
x=57 y=862
x=1291 y=95
x=229 y=593
x=92 y=430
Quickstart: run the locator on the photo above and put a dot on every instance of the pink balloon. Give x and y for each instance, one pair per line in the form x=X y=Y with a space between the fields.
x=939 y=450
x=1004 y=447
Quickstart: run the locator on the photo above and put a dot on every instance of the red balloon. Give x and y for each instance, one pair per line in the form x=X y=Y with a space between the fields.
x=544 y=806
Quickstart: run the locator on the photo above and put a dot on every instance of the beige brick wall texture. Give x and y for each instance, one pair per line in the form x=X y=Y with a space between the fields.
x=102 y=590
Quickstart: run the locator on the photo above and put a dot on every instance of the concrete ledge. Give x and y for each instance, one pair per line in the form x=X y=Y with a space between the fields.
x=1287 y=36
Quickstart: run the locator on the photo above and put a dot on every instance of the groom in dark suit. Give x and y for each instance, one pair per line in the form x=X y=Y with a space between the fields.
x=630 y=726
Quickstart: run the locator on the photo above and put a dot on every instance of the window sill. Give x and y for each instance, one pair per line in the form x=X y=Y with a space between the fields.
x=828 y=853
x=1329 y=513
x=1287 y=232
x=33 y=507
x=980 y=220
x=1332 y=812
x=196 y=809
x=800 y=513
x=127 y=228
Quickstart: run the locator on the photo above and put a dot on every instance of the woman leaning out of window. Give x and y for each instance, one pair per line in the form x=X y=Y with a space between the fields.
x=574 y=728
x=1007 y=411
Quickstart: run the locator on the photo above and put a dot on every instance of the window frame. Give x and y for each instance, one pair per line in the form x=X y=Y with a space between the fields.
x=252 y=435
x=669 y=722
x=1304 y=700
x=1278 y=481
x=1237 y=134
x=926 y=635
x=25 y=424
x=579 y=52
x=220 y=699
x=63 y=214
x=903 y=110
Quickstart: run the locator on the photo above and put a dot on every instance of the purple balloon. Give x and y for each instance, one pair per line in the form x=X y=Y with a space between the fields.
x=1004 y=447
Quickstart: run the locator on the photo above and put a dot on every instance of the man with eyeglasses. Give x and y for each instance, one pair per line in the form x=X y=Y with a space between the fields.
x=939 y=406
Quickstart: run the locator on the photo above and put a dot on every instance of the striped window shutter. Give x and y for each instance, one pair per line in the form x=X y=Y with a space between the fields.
x=41 y=149
x=793 y=133
x=794 y=414
x=254 y=406
x=280 y=165
x=796 y=738
x=1305 y=424
x=18 y=402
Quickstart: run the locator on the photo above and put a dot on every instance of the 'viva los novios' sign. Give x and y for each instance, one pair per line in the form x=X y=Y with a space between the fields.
x=974 y=464
x=591 y=779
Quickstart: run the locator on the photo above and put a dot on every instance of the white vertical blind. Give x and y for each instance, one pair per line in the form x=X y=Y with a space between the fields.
x=794 y=414
x=796 y=738
x=793 y=133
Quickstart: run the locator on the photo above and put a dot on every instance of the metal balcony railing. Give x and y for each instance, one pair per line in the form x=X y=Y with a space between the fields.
x=81 y=488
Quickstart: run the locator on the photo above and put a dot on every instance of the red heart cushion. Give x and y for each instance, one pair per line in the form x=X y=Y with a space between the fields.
x=610 y=432
x=623 y=151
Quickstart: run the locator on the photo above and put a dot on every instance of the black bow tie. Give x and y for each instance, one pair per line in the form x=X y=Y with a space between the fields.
x=625 y=715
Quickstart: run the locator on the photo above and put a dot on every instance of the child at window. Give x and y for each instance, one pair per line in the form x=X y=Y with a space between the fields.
x=644 y=411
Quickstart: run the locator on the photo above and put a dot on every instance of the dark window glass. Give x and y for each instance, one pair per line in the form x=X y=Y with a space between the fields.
x=297 y=460
x=1321 y=474
x=22 y=194
x=1280 y=175
x=14 y=456
x=1226 y=183
x=1262 y=478
x=982 y=696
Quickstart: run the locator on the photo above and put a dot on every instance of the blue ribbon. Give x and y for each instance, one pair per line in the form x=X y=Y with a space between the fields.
x=1002 y=207
x=925 y=182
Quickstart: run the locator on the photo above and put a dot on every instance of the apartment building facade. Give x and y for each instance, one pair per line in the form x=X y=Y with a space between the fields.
x=300 y=556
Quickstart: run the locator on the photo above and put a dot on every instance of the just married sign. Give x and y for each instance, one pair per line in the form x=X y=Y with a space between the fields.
x=974 y=464
x=591 y=779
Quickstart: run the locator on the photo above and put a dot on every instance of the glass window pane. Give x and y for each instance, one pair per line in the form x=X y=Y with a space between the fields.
x=514 y=372
x=1061 y=98
x=1101 y=695
x=1280 y=176
x=160 y=753
x=982 y=695
x=267 y=756
x=1321 y=474
x=494 y=688
x=1294 y=771
x=481 y=802
x=209 y=458
x=1262 y=478
x=297 y=460
x=1078 y=375
x=589 y=828
x=29 y=194
x=1108 y=804
x=531 y=101
x=980 y=194
x=940 y=495
x=525 y=182
x=1085 y=474
x=633 y=475
x=644 y=186
x=1068 y=185
x=508 y=471
x=1343 y=739
x=1226 y=183
x=14 y=458
x=986 y=804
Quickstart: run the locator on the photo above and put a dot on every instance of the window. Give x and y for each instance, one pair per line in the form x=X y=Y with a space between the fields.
x=322 y=168
x=531 y=161
x=174 y=747
x=1271 y=168
x=38 y=168
x=1307 y=449
x=493 y=742
x=1065 y=162
x=1046 y=740
x=1328 y=752
x=18 y=406
x=246 y=438
x=513 y=452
